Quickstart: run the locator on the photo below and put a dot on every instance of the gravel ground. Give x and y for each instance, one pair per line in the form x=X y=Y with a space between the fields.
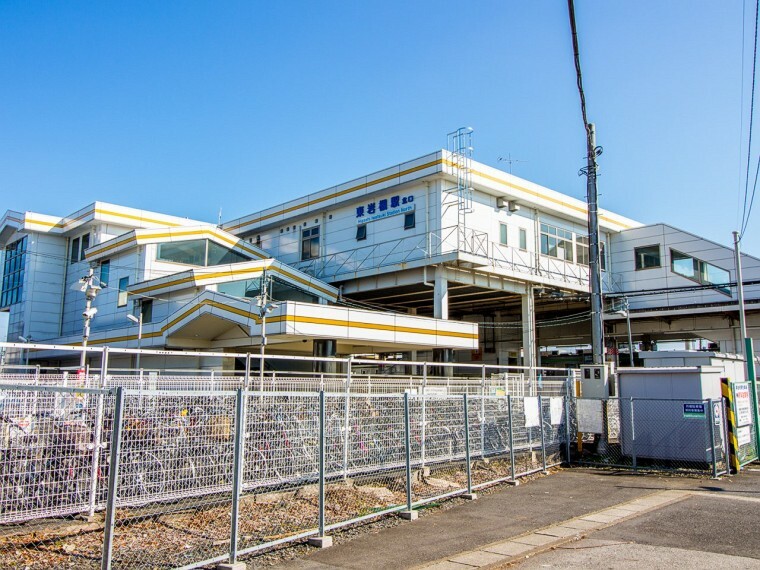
x=167 y=535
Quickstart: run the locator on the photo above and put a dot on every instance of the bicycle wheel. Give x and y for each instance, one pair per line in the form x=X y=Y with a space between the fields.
x=148 y=475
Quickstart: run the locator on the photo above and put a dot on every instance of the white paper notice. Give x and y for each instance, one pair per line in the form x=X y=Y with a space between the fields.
x=556 y=411
x=532 y=416
x=590 y=416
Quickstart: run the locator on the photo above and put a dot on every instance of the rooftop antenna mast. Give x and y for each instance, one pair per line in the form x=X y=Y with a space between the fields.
x=460 y=149
x=509 y=160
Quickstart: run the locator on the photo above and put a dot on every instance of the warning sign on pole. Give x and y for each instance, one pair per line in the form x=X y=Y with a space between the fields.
x=743 y=402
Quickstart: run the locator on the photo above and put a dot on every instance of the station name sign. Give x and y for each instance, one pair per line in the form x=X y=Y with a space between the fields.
x=384 y=208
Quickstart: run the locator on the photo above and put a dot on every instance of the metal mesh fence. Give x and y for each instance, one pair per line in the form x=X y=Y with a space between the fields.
x=647 y=434
x=164 y=460
x=173 y=491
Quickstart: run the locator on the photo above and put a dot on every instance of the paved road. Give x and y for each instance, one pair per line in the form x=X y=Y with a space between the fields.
x=575 y=518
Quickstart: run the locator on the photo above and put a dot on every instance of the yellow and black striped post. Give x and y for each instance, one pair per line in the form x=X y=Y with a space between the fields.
x=733 y=442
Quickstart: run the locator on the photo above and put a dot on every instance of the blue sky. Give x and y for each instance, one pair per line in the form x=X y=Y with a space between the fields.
x=188 y=107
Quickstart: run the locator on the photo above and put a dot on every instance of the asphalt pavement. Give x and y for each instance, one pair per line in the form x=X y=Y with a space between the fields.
x=575 y=518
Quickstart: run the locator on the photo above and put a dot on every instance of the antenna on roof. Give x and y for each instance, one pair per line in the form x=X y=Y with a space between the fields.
x=219 y=218
x=509 y=160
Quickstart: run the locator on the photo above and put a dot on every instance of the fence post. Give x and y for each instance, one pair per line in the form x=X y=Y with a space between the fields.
x=408 y=514
x=469 y=495
x=97 y=436
x=543 y=435
x=247 y=377
x=483 y=412
x=237 y=473
x=113 y=478
x=321 y=540
x=711 y=426
x=346 y=420
x=37 y=375
x=567 y=428
x=511 y=437
x=424 y=412
x=633 y=437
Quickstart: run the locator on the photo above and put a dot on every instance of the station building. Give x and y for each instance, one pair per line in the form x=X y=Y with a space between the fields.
x=440 y=258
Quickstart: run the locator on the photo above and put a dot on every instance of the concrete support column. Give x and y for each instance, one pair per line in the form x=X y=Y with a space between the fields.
x=441 y=294
x=529 y=329
x=325 y=348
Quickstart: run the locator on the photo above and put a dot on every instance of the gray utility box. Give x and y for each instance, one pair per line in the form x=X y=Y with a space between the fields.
x=732 y=364
x=669 y=411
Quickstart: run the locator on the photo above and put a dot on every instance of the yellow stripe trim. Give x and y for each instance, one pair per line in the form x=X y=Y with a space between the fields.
x=201 y=278
x=291 y=319
x=103 y=212
x=336 y=194
x=373 y=326
x=137 y=239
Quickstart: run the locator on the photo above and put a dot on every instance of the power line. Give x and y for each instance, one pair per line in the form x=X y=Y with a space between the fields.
x=747 y=211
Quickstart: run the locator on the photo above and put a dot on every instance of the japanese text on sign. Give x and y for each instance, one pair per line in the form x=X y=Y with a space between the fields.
x=384 y=208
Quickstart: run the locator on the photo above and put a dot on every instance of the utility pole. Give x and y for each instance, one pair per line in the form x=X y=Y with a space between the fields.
x=595 y=270
x=90 y=291
x=749 y=350
x=590 y=170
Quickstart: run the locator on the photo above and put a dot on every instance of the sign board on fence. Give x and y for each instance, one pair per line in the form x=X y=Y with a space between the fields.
x=694 y=410
x=532 y=415
x=744 y=436
x=556 y=409
x=436 y=391
x=717 y=413
x=589 y=416
x=743 y=402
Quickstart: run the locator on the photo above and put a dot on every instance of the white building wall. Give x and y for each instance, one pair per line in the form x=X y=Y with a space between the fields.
x=629 y=279
x=43 y=285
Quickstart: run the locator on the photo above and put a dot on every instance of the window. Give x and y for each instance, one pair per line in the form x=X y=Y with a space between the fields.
x=220 y=255
x=200 y=252
x=556 y=242
x=581 y=250
x=310 y=243
x=74 y=252
x=361 y=232
x=647 y=257
x=503 y=234
x=523 y=239
x=409 y=220
x=146 y=308
x=582 y=255
x=13 y=272
x=105 y=270
x=258 y=241
x=700 y=271
x=122 y=298
x=78 y=247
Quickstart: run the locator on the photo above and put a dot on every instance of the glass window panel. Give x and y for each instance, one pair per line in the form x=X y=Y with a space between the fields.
x=146 y=308
x=105 y=271
x=410 y=220
x=85 y=244
x=122 y=297
x=74 y=253
x=361 y=232
x=503 y=234
x=683 y=265
x=647 y=257
x=220 y=255
x=191 y=252
x=523 y=239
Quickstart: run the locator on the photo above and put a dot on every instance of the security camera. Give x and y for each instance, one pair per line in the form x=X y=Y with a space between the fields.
x=89 y=313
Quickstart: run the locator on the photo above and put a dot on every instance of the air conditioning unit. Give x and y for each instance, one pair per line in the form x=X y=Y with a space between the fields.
x=511 y=205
